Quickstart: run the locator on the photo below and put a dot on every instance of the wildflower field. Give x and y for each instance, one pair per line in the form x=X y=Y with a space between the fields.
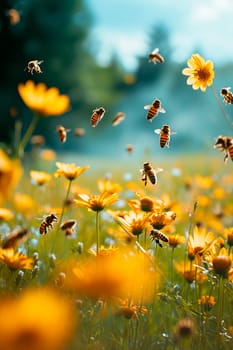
x=99 y=254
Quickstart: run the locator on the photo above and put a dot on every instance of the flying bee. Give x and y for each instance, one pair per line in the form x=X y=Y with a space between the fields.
x=164 y=133
x=154 y=109
x=15 y=238
x=68 y=227
x=34 y=66
x=158 y=236
x=97 y=115
x=79 y=132
x=155 y=56
x=129 y=148
x=227 y=95
x=120 y=116
x=149 y=172
x=47 y=223
x=62 y=132
x=225 y=143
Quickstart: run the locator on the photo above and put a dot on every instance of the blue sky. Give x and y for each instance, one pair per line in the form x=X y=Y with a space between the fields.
x=123 y=26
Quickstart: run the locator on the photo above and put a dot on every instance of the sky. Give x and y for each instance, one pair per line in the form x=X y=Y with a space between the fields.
x=123 y=27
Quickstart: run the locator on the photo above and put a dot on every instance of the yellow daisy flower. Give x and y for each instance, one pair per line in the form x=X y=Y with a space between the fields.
x=15 y=260
x=40 y=177
x=200 y=72
x=69 y=170
x=10 y=174
x=96 y=202
x=43 y=101
x=37 y=319
x=6 y=214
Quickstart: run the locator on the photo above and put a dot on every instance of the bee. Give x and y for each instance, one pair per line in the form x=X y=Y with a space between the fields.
x=225 y=143
x=97 y=115
x=227 y=95
x=120 y=116
x=47 y=223
x=62 y=132
x=79 y=132
x=129 y=148
x=154 y=109
x=68 y=227
x=155 y=56
x=15 y=238
x=158 y=236
x=164 y=133
x=149 y=172
x=34 y=66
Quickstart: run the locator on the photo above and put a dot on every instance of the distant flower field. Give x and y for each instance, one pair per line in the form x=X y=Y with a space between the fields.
x=135 y=257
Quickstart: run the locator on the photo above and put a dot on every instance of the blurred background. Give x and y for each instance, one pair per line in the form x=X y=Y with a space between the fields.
x=96 y=52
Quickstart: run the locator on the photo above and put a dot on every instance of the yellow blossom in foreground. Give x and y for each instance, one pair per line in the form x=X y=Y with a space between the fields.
x=6 y=214
x=15 y=260
x=40 y=177
x=43 y=101
x=96 y=202
x=10 y=174
x=38 y=319
x=122 y=274
x=69 y=170
x=200 y=72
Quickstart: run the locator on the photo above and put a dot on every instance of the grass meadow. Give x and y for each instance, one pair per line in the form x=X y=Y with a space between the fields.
x=98 y=254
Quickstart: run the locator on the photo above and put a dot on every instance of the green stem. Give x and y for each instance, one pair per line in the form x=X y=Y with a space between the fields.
x=27 y=135
x=97 y=232
x=220 y=306
x=62 y=213
x=225 y=115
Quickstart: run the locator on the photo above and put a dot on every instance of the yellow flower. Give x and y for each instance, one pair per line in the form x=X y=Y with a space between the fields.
x=24 y=203
x=37 y=319
x=190 y=272
x=96 y=202
x=175 y=240
x=15 y=260
x=199 y=243
x=40 y=177
x=6 y=214
x=200 y=72
x=207 y=302
x=222 y=263
x=69 y=170
x=43 y=101
x=145 y=203
x=134 y=223
x=108 y=186
x=10 y=174
x=121 y=274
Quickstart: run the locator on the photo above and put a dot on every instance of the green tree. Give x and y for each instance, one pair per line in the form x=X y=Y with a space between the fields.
x=57 y=33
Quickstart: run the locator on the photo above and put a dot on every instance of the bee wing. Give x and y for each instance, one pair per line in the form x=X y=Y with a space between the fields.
x=162 y=110
x=173 y=132
x=39 y=62
x=147 y=106
x=156 y=50
x=157 y=131
x=158 y=170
